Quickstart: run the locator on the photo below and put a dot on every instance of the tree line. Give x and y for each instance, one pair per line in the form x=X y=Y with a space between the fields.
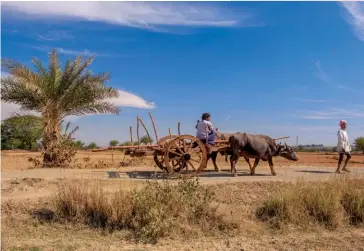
x=25 y=132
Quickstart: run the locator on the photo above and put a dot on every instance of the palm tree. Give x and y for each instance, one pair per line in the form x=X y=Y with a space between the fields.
x=57 y=94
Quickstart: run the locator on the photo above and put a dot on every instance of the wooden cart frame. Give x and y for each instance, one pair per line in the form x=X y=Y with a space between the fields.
x=173 y=153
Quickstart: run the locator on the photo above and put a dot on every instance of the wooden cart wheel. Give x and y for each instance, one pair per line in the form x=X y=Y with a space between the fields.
x=162 y=141
x=159 y=161
x=187 y=152
x=158 y=156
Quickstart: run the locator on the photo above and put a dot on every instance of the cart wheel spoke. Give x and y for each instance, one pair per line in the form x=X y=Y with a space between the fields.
x=190 y=163
x=175 y=153
x=192 y=150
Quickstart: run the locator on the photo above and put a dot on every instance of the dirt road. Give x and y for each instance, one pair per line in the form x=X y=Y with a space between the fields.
x=142 y=173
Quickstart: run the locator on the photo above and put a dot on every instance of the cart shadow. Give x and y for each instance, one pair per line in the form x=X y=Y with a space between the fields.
x=313 y=171
x=163 y=175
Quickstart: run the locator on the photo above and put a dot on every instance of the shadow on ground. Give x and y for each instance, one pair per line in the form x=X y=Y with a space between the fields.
x=163 y=175
x=314 y=171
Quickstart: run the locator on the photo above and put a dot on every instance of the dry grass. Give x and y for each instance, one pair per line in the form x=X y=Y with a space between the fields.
x=328 y=203
x=157 y=210
x=32 y=223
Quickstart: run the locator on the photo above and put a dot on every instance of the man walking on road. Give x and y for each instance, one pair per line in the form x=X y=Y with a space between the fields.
x=343 y=146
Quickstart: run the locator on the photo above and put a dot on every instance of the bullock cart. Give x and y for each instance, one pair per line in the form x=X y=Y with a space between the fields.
x=174 y=152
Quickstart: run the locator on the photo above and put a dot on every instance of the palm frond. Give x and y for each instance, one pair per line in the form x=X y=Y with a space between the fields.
x=94 y=108
x=55 y=72
x=17 y=92
x=23 y=74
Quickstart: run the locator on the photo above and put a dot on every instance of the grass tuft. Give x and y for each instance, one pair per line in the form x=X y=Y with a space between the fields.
x=154 y=211
x=326 y=203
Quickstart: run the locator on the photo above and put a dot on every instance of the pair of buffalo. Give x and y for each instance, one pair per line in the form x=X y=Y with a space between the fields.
x=257 y=146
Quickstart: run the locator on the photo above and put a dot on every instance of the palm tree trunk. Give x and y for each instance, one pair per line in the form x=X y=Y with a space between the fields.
x=51 y=135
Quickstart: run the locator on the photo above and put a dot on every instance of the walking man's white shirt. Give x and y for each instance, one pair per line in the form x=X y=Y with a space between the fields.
x=343 y=141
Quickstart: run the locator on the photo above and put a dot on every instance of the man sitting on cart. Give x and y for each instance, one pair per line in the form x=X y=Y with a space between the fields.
x=205 y=129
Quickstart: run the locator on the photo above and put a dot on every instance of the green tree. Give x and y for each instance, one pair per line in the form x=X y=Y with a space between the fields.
x=114 y=142
x=146 y=140
x=21 y=132
x=79 y=144
x=359 y=144
x=57 y=93
x=92 y=145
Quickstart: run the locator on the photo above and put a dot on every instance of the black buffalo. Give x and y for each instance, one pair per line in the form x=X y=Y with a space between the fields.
x=259 y=147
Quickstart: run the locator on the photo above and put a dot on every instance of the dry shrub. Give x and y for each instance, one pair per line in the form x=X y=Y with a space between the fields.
x=306 y=202
x=353 y=203
x=158 y=209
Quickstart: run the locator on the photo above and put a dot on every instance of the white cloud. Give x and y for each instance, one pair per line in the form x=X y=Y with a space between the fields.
x=4 y=74
x=55 y=36
x=84 y=52
x=136 y=14
x=355 y=17
x=334 y=113
x=8 y=109
x=128 y=99
x=308 y=100
x=125 y=99
x=321 y=74
x=69 y=52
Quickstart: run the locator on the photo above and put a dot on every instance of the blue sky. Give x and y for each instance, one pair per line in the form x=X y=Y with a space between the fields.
x=278 y=68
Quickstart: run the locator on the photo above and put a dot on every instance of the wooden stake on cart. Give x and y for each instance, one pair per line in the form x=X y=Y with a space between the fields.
x=138 y=131
x=170 y=134
x=150 y=139
x=131 y=136
x=155 y=130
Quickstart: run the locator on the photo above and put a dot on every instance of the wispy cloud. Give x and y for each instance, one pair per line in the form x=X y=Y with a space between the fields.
x=54 y=36
x=323 y=76
x=355 y=17
x=320 y=73
x=136 y=14
x=125 y=99
x=308 y=100
x=228 y=118
x=84 y=52
x=334 y=113
x=128 y=99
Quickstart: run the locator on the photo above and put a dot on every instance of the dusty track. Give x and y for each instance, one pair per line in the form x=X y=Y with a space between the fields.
x=46 y=178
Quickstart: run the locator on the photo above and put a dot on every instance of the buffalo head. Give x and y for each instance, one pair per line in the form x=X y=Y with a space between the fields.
x=287 y=152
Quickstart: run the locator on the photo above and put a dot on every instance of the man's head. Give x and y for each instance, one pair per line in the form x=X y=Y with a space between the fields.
x=206 y=116
x=287 y=152
x=343 y=124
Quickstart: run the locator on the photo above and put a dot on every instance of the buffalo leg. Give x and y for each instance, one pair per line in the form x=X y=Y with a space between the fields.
x=270 y=162
x=213 y=156
x=248 y=161
x=233 y=160
x=256 y=162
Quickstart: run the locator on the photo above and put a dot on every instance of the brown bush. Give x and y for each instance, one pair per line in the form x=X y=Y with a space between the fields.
x=306 y=202
x=353 y=204
x=156 y=210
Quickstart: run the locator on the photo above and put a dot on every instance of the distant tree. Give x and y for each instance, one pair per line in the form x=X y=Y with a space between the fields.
x=359 y=144
x=114 y=142
x=79 y=145
x=128 y=143
x=21 y=132
x=146 y=140
x=92 y=145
